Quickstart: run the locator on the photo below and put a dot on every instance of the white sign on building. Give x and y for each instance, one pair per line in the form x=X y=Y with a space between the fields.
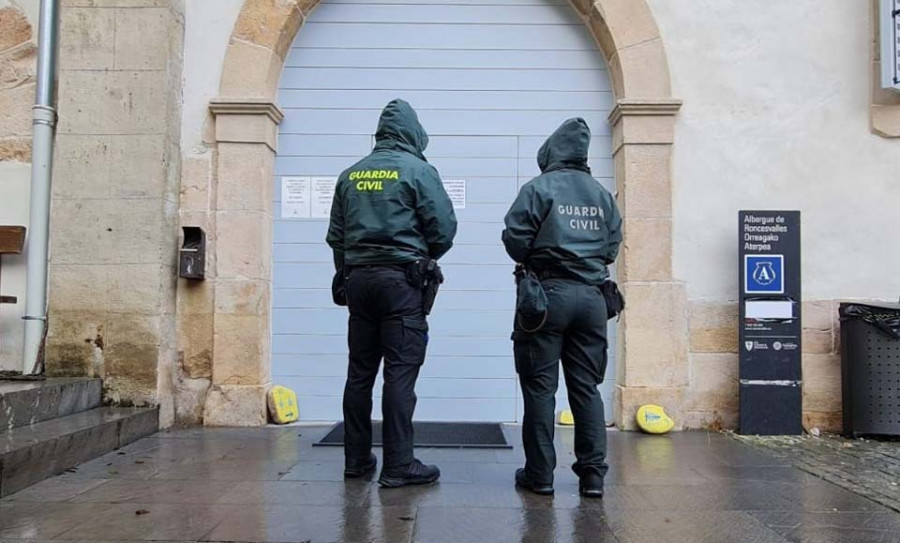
x=890 y=44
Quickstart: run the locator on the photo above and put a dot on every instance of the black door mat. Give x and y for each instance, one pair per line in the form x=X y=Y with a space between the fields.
x=449 y=435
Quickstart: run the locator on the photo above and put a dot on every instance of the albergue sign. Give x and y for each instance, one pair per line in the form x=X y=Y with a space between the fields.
x=770 y=326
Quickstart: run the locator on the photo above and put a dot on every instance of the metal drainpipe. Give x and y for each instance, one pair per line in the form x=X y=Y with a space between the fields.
x=43 y=127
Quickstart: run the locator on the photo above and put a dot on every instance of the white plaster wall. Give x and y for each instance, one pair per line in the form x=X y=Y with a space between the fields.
x=14 y=195
x=776 y=115
x=15 y=183
x=207 y=28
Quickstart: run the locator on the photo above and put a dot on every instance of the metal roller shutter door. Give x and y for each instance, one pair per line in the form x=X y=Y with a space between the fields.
x=490 y=80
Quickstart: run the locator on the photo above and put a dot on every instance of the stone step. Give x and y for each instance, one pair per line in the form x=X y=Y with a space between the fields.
x=31 y=402
x=29 y=454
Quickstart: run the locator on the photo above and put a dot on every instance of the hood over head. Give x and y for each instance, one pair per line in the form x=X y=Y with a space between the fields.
x=399 y=128
x=566 y=148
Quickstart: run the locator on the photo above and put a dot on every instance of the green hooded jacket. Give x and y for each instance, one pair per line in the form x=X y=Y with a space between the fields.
x=563 y=221
x=391 y=206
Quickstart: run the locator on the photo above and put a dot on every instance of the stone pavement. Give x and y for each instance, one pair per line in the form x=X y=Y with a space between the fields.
x=270 y=484
x=864 y=466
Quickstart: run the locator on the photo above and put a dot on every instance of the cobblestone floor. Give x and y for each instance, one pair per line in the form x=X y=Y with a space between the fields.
x=867 y=467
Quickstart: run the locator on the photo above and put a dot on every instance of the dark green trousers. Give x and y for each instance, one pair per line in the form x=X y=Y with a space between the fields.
x=575 y=333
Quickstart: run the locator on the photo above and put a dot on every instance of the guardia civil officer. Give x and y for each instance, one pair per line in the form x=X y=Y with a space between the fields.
x=565 y=228
x=391 y=220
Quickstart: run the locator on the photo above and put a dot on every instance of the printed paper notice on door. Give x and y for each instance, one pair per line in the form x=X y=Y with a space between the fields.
x=296 y=197
x=456 y=189
x=322 y=196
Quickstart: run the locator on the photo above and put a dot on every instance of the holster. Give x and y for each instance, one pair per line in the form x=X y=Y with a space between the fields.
x=427 y=275
x=615 y=300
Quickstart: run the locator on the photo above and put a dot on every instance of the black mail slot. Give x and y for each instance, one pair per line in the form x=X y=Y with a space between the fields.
x=192 y=257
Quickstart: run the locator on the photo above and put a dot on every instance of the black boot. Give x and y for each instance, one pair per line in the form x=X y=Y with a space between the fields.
x=590 y=485
x=415 y=473
x=525 y=482
x=355 y=471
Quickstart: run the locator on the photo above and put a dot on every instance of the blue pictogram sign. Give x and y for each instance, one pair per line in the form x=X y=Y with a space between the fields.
x=764 y=274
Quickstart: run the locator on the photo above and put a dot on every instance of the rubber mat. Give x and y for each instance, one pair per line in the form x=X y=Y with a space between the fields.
x=455 y=435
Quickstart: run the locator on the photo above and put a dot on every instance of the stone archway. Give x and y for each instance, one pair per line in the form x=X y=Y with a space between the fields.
x=653 y=331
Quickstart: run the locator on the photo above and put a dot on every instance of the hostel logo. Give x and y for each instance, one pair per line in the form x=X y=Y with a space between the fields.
x=764 y=274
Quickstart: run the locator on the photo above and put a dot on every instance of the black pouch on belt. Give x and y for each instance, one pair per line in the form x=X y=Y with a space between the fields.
x=339 y=288
x=431 y=277
x=615 y=301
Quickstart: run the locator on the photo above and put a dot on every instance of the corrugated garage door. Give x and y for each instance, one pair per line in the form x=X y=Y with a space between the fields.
x=490 y=79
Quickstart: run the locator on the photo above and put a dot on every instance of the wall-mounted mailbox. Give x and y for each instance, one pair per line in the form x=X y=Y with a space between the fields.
x=192 y=257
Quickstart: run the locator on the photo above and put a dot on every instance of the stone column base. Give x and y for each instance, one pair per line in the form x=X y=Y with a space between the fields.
x=236 y=405
x=629 y=399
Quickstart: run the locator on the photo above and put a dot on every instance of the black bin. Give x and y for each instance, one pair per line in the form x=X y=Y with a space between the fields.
x=870 y=368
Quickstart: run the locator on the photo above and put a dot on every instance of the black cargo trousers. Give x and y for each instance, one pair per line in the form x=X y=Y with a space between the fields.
x=386 y=321
x=575 y=333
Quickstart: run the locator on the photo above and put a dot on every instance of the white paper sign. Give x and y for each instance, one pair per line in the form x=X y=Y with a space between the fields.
x=296 y=197
x=322 y=196
x=456 y=189
x=770 y=310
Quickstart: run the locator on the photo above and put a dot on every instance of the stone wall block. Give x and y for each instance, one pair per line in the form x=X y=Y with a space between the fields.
x=646 y=253
x=131 y=358
x=16 y=149
x=246 y=298
x=247 y=253
x=76 y=287
x=271 y=23
x=196 y=340
x=196 y=181
x=236 y=406
x=82 y=166
x=190 y=400
x=75 y=343
x=87 y=39
x=138 y=166
x=638 y=70
x=14 y=27
x=241 y=349
x=821 y=383
x=133 y=51
x=647 y=194
x=112 y=102
x=115 y=3
x=252 y=71
x=137 y=289
x=654 y=340
x=15 y=110
x=629 y=399
x=714 y=390
x=237 y=164
x=629 y=21
x=714 y=327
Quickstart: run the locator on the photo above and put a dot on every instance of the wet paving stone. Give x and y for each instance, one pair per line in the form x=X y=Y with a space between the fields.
x=316 y=524
x=468 y=525
x=867 y=467
x=694 y=527
x=828 y=527
x=271 y=484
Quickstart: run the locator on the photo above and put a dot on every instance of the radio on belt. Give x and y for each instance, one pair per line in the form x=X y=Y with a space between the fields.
x=770 y=327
